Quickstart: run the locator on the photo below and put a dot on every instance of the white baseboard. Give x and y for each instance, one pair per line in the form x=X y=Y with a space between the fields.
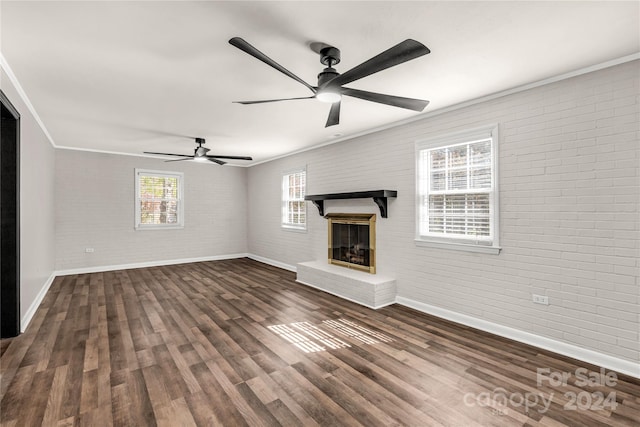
x=26 y=319
x=272 y=262
x=102 y=268
x=609 y=362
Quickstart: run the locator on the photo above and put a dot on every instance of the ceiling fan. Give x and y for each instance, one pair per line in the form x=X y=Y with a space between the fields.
x=200 y=155
x=330 y=83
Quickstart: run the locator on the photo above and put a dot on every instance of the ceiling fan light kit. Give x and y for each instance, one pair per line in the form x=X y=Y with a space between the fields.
x=328 y=96
x=330 y=86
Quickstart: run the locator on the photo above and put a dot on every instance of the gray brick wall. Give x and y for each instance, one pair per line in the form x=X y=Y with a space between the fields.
x=95 y=208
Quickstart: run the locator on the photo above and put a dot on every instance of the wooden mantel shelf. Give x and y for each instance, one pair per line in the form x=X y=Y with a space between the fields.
x=378 y=196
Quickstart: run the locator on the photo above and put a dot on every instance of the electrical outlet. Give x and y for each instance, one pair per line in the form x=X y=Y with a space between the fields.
x=540 y=299
x=88 y=250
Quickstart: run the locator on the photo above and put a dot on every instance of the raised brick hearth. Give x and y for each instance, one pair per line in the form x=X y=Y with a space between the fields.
x=371 y=290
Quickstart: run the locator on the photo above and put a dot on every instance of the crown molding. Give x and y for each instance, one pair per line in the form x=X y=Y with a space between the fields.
x=119 y=153
x=23 y=95
x=458 y=106
x=607 y=64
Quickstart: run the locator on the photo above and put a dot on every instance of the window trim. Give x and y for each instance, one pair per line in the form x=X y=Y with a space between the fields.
x=149 y=172
x=284 y=225
x=460 y=242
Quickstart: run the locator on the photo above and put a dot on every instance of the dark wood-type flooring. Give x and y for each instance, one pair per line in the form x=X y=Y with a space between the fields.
x=238 y=343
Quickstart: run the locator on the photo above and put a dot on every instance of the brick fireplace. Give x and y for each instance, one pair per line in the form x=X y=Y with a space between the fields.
x=351 y=244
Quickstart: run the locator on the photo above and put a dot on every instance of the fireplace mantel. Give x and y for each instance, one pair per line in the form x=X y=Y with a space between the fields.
x=378 y=196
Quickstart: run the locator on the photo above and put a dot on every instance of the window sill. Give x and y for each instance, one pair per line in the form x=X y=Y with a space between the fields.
x=159 y=227
x=493 y=250
x=294 y=229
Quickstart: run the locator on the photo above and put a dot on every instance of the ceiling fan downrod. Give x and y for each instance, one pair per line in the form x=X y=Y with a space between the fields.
x=329 y=56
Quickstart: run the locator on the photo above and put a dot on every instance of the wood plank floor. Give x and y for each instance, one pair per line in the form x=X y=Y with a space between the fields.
x=238 y=343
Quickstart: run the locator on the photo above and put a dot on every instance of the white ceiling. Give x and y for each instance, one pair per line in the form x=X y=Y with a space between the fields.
x=129 y=77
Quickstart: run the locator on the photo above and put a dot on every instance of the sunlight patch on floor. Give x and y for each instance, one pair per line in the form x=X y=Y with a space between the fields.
x=308 y=337
x=354 y=330
x=312 y=338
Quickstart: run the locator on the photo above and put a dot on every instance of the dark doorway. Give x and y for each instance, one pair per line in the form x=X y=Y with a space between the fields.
x=10 y=219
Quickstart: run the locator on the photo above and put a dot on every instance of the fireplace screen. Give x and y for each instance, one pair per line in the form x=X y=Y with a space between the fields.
x=352 y=240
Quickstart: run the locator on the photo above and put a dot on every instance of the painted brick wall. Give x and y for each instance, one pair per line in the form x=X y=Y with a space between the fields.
x=95 y=208
x=569 y=203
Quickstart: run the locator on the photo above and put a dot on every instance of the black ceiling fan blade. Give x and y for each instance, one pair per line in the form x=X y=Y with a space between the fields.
x=179 y=160
x=251 y=50
x=167 y=154
x=271 y=100
x=211 y=156
x=220 y=162
x=396 y=101
x=398 y=54
x=334 y=115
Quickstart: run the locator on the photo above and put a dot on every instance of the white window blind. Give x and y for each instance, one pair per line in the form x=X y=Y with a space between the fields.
x=159 y=202
x=457 y=190
x=294 y=208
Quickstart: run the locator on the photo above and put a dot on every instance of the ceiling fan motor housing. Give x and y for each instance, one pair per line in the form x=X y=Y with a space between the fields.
x=200 y=151
x=327 y=75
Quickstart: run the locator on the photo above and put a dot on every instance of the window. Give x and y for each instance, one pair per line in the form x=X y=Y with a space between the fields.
x=159 y=202
x=294 y=208
x=457 y=191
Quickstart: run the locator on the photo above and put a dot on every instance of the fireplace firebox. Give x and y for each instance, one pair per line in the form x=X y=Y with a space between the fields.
x=352 y=240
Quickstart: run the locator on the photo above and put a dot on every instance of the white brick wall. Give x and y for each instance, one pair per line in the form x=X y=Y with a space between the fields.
x=569 y=204
x=95 y=208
